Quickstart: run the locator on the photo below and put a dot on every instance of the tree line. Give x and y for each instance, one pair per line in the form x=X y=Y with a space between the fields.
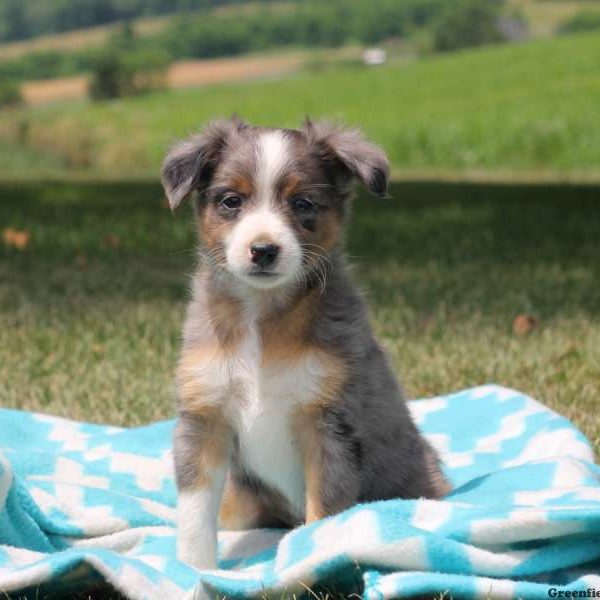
x=129 y=62
x=208 y=35
x=22 y=19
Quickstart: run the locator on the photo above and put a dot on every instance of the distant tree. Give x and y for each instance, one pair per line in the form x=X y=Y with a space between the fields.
x=108 y=77
x=84 y=13
x=124 y=37
x=586 y=20
x=37 y=17
x=117 y=73
x=467 y=23
x=16 y=25
x=311 y=23
x=10 y=94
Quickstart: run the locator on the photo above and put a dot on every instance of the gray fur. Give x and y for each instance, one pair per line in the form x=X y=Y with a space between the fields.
x=375 y=451
x=192 y=161
x=362 y=158
x=188 y=439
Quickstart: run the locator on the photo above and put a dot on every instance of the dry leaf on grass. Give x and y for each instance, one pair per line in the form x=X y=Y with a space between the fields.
x=16 y=238
x=81 y=261
x=111 y=241
x=524 y=324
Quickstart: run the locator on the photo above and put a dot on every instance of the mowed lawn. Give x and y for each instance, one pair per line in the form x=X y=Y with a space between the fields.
x=91 y=306
x=521 y=107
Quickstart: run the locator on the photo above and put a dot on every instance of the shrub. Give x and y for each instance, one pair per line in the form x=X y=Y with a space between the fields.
x=466 y=23
x=109 y=79
x=148 y=68
x=117 y=73
x=10 y=94
x=586 y=20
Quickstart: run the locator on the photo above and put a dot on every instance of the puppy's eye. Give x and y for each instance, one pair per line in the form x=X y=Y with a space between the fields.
x=231 y=201
x=302 y=205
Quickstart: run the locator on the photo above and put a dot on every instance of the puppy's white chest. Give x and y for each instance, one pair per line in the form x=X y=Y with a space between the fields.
x=268 y=447
x=264 y=420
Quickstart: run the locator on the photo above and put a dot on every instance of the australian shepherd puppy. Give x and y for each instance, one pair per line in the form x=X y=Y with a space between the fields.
x=288 y=410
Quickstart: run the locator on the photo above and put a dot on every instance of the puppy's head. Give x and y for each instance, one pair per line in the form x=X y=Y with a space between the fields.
x=271 y=201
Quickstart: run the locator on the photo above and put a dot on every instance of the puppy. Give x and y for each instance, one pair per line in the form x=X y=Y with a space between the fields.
x=288 y=408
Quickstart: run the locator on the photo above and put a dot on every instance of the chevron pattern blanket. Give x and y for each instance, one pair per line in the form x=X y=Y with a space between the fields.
x=81 y=503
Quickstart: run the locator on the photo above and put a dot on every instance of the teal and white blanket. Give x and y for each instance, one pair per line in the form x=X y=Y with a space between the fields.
x=80 y=503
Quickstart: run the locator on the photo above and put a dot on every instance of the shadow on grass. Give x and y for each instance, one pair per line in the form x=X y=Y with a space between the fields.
x=91 y=309
x=473 y=246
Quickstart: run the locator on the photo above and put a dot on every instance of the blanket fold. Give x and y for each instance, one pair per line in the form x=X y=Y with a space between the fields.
x=80 y=503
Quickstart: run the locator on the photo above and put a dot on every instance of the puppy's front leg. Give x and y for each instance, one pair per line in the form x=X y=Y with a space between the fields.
x=332 y=461
x=201 y=451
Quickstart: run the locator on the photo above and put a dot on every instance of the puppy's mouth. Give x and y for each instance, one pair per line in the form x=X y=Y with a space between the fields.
x=264 y=278
x=264 y=274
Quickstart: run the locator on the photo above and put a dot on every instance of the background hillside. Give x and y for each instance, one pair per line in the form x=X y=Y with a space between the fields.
x=522 y=100
x=492 y=109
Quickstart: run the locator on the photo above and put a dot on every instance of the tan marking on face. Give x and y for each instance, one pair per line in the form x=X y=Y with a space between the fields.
x=212 y=229
x=290 y=184
x=329 y=229
x=242 y=184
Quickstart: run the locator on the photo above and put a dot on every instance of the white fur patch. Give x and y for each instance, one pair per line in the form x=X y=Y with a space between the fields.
x=263 y=423
x=197 y=514
x=265 y=223
x=273 y=156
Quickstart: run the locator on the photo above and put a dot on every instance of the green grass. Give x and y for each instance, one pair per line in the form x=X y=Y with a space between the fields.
x=91 y=331
x=530 y=107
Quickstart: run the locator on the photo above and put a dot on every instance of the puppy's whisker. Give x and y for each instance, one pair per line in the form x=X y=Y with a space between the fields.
x=323 y=262
x=317 y=269
x=191 y=250
x=321 y=252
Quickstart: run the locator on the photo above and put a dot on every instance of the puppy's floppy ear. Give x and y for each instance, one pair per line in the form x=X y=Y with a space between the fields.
x=360 y=157
x=192 y=161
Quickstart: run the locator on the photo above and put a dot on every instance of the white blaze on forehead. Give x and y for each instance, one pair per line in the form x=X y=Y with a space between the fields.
x=273 y=156
x=264 y=221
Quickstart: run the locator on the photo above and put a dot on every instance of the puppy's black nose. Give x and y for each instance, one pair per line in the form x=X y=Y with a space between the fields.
x=263 y=254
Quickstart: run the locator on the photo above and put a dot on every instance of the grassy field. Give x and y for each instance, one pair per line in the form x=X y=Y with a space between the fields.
x=91 y=305
x=466 y=111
